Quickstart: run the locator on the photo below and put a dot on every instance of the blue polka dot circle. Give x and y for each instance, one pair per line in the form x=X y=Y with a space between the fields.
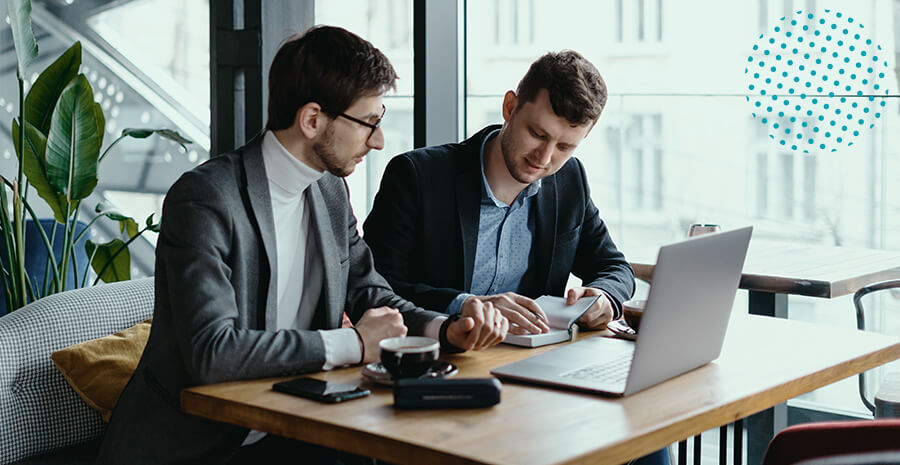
x=817 y=81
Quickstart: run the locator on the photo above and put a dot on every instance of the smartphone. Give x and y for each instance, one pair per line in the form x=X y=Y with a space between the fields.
x=322 y=391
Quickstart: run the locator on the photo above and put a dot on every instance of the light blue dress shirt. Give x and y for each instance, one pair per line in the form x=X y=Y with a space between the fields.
x=505 y=233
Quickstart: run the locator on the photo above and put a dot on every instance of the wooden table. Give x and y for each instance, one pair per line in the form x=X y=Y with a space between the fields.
x=537 y=425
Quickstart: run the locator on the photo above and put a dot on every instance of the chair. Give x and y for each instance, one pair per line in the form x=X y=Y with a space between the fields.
x=832 y=440
x=866 y=458
x=879 y=389
x=41 y=415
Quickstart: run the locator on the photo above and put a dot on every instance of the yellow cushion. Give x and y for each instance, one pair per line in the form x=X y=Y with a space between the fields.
x=99 y=369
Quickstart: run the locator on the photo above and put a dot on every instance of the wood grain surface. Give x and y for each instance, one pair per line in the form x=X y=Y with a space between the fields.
x=538 y=425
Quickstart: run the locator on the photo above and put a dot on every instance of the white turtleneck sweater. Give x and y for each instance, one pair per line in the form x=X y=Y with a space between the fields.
x=299 y=275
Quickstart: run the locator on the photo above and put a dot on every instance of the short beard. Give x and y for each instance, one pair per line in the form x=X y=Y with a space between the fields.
x=506 y=152
x=324 y=149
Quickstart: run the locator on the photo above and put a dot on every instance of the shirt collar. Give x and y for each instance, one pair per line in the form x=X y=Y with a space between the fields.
x=487 y=194
x=285 y=171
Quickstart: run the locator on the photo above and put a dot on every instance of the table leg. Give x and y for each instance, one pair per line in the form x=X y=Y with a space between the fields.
x=762 y=426
x=768 y=304
x=697 y=456
x=723 y=445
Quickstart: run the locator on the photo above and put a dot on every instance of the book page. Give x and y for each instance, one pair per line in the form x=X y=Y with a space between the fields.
x=560 y=315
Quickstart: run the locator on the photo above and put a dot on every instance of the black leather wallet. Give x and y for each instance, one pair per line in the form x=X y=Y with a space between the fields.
x=446 y=393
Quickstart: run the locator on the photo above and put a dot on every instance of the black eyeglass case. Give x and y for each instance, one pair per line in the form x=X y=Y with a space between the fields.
x=446 y=393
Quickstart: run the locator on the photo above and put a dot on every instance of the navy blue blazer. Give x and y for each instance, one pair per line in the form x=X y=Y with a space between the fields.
x=423 y=229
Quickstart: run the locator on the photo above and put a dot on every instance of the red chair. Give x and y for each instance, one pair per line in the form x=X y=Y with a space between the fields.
x=865 y=458
x=822 y=440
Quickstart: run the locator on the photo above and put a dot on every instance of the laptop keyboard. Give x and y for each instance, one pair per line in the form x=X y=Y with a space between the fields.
x=612 y=371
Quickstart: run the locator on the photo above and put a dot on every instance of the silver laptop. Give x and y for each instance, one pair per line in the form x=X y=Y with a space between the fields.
x=682 y=328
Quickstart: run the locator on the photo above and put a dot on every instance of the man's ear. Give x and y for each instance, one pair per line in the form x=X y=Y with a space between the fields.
x=310 y=119
x=510 y=102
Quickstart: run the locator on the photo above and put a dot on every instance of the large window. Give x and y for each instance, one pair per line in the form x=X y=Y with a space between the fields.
x=153 y=71
x=388 y=25
x=681 y=139
x=148 y=64
x=687 y=134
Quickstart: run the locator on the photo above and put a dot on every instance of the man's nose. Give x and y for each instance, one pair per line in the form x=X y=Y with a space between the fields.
x=376 y=139
x=545 y=152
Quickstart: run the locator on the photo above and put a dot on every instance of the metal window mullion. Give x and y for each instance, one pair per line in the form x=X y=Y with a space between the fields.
x=235 y=70
x=438 y=58
x=279 y=19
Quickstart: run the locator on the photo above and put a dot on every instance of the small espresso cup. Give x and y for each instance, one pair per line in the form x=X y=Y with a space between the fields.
x=632 y=311
x=697 y=229
x=408 y=357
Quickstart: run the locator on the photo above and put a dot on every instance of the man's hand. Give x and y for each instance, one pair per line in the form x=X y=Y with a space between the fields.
x=599 y=314
x=525 y=314
x=480 y=325
x=377 y=324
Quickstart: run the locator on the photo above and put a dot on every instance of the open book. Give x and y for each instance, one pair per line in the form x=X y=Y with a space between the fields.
x=561 y=319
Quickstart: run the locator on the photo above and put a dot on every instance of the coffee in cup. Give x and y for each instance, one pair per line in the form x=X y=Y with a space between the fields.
x=633 y=310
x=410 y=356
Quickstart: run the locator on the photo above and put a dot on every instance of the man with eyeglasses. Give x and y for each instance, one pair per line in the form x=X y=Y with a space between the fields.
x=506 y=215
x=258 y=257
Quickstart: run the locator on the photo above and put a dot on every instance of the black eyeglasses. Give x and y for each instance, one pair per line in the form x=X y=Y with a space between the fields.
x=371 y=126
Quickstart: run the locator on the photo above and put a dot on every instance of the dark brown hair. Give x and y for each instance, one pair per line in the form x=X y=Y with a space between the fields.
x=577 y=91
x=328 y=65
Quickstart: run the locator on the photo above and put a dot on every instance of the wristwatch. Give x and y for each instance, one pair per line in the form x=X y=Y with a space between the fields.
x=446 y=346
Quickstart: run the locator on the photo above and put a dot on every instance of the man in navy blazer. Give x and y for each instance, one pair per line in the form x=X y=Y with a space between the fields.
x=507 y=213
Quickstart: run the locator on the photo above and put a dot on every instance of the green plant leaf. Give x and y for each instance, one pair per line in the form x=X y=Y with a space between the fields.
x=151 y=226
x=73 y=143
x=137 y=133
x=126 y=223
x=35 y=167
x=108 y=268
x=23 y=34
x=170 y=134
x=45 y=92
x=107 y=209
x=101 y=124
x=130 y=226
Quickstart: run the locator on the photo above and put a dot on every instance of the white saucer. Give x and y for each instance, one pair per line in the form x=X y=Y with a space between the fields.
x=376 y=373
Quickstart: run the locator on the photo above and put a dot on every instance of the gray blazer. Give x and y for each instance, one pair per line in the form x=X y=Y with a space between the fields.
x=214 y=316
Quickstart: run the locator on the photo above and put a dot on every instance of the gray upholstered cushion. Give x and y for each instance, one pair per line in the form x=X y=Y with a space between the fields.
x=39 y=412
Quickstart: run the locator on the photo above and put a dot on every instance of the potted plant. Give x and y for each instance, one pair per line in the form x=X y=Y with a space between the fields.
x=58 y=136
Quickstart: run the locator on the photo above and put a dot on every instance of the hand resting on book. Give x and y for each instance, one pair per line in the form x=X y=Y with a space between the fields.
x=561 y=318
x=525 y=316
